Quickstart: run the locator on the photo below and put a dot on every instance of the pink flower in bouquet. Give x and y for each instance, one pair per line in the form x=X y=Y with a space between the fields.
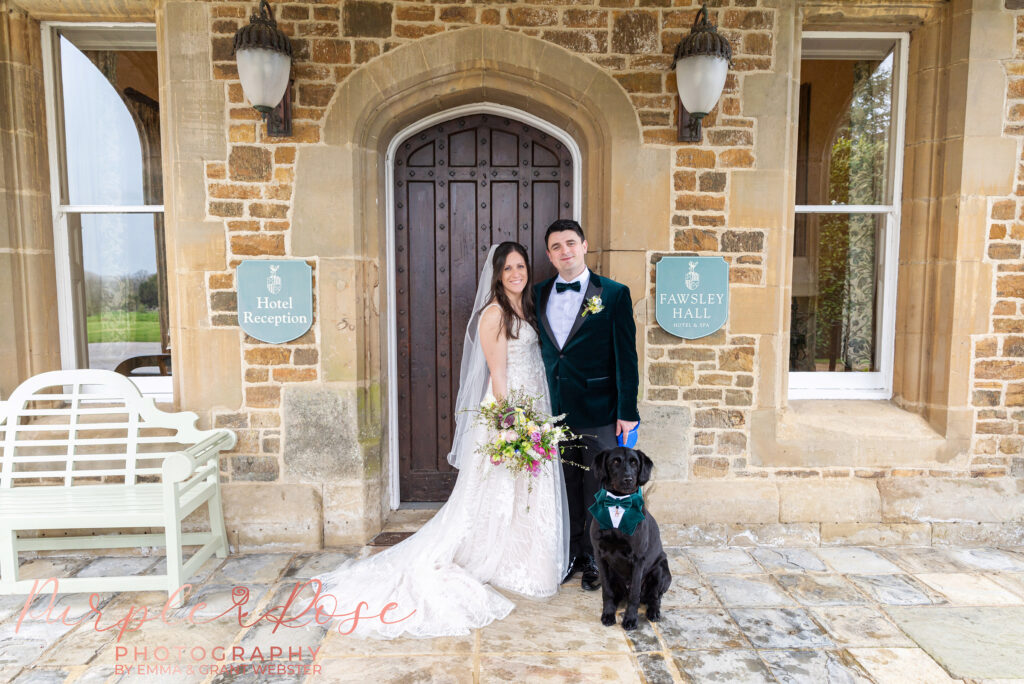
x=508 y=419
x=539 y=449
x=535 y=436
x=509 y=436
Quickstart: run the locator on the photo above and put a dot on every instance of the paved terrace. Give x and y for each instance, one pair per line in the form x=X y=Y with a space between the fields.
x=845 y=614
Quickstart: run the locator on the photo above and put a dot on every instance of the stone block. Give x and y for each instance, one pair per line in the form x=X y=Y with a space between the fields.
x=671 y=374
x=875 y=534
x=207 y=369
x=367 y=19
x=579 y=41
x=185 y=32
x=273 y=517
x=249 y=163
x=352 y=513
x=992 y=36
x=951 y=501
x=532 y=16
x=340 y=298
x=754 y=310
x=825 y=501
x=664 y=437
x=726 y=534
x=988 y=165
x=714 y=501
x=321 y=434
x=978 y=534
x=742 y=241
x=757 y=198
x=635 y=32
x=695 y=240
x=323 y=182
x=197 y=112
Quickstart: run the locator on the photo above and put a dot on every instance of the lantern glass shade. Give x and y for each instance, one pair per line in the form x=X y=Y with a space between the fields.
x=264 y=76
x=700 y=80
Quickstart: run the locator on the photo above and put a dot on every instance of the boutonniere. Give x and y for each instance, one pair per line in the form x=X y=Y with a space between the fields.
x=592 y=306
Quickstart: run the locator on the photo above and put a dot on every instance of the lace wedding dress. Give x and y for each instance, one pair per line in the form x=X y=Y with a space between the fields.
x=495 y=529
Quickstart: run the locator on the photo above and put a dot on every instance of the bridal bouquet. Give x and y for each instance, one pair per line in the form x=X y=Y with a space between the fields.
x=525 y=438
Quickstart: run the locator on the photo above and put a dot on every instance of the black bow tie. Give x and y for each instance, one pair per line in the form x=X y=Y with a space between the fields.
x=562 y=287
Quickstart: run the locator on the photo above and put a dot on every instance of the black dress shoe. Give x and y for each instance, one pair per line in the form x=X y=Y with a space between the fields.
x=575 y=565
x=591 y=579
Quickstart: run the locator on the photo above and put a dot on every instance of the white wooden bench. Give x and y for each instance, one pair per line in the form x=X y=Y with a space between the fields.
x=83 y=450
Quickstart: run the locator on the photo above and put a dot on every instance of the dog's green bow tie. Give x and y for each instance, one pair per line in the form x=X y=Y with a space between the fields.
x=633 y=507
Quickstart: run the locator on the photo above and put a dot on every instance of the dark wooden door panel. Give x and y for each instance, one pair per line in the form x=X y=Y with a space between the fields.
x=460 y=187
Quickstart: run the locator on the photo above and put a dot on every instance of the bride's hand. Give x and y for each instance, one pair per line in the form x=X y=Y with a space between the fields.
x=494 y=343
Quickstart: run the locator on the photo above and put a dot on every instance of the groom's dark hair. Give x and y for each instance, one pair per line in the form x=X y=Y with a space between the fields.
x=564 y=224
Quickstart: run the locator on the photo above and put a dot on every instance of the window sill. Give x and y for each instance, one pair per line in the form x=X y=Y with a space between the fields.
x=825 y=432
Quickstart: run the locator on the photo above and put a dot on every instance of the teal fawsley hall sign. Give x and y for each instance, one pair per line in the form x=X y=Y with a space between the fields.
x=275 y=298
x=691 y=295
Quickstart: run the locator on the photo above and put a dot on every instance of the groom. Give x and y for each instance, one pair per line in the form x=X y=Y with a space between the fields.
x=588 y=341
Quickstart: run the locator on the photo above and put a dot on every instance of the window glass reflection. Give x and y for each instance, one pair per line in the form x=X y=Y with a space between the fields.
x=836 y=294
x=845 y=131
x=124 y=320
x=103 y=151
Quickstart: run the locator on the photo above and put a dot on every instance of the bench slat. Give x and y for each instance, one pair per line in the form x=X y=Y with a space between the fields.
x=94 y=441
x=85 y=458
x=63 y=427
x=124 y=506
x=70 y=411
x=83 y=473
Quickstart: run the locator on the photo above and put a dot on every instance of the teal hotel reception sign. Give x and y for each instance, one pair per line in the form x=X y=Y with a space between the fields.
x=275 y=298
x=691 y=295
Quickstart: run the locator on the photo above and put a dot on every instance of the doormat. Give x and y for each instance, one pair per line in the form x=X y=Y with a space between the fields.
x=389 y=538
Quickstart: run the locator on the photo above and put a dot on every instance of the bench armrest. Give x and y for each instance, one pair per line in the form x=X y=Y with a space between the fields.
x=179 y=466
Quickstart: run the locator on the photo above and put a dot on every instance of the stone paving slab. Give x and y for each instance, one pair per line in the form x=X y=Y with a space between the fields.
x=750 y=614
x=977 y=642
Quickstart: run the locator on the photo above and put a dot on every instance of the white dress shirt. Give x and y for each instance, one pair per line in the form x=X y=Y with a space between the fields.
x=564 y=307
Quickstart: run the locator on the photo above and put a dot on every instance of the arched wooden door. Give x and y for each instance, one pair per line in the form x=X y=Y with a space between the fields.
x=460 y=187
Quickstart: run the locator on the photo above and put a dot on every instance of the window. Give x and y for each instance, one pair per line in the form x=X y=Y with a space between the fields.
x=846 y=227
x=107 y=188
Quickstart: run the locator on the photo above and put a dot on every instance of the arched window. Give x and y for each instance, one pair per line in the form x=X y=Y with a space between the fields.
x=109 y=201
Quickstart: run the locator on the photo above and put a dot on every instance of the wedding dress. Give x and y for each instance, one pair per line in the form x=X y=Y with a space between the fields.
x=495 y=529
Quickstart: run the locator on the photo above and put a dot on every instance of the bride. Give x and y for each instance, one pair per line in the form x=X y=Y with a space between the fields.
x=495 y=529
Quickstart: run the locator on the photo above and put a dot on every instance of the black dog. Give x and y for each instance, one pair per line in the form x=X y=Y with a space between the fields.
x=630 y=559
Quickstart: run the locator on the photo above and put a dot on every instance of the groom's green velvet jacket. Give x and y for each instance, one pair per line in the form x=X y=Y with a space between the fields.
x=593 y=378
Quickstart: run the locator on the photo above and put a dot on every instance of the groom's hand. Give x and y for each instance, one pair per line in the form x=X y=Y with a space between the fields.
x=622 y=426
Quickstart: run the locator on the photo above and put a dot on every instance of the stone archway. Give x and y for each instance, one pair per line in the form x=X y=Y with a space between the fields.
x=340 y=217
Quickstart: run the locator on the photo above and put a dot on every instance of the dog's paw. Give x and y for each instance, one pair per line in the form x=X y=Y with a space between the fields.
x=653 y=614
x=608 y=618
x=629 y=622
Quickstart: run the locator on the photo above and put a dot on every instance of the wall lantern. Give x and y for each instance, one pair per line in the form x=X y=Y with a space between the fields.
x=702 y=62
x=264 y=57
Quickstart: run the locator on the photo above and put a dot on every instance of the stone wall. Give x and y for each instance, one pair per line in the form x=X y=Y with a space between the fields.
x=997 y=387
x=29 y=339
x=727 y=198
x=735 y=462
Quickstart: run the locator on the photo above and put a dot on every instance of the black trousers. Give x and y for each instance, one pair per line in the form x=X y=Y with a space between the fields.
x=581 y=485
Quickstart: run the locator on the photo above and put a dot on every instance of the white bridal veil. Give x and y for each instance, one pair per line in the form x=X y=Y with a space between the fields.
x=491 y=531
x=474 y=378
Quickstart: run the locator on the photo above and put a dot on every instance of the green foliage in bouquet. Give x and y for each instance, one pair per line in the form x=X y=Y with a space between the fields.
x=524 y=438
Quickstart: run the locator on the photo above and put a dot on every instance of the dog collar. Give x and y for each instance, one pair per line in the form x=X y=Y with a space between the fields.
x=632 y=505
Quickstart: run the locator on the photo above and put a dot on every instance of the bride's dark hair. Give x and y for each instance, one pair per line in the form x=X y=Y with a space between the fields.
x=509 y=317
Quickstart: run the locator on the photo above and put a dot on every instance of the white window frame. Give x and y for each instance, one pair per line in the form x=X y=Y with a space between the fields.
x=878 y=384
x=111 y=36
